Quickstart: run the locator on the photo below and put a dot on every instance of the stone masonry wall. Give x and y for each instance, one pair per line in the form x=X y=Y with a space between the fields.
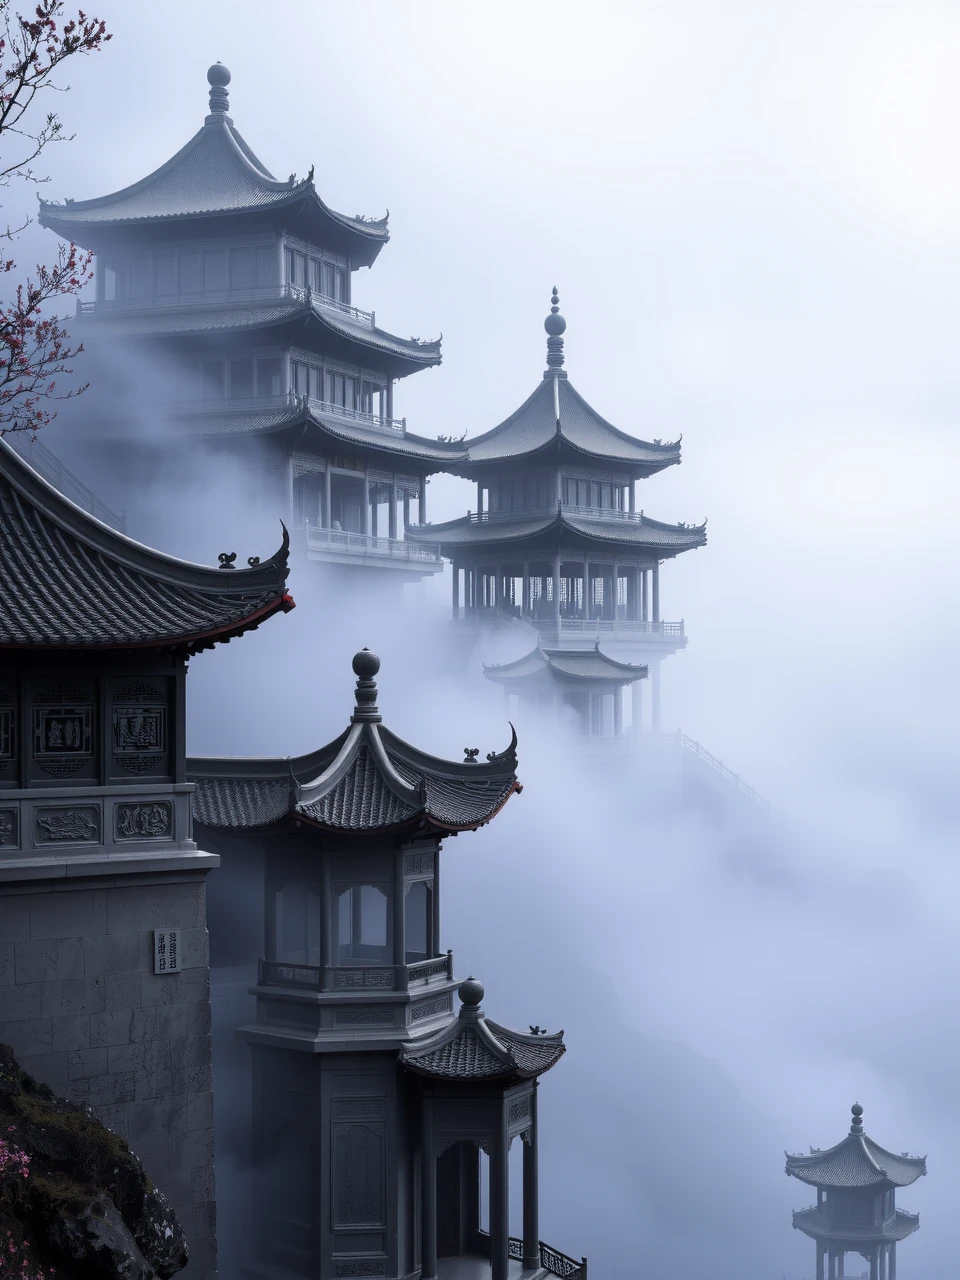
x=85 y=1013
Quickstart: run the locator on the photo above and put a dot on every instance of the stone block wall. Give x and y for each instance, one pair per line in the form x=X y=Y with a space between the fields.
x=84 y=1012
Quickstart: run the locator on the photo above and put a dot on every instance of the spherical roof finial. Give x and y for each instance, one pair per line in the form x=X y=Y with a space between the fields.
x=366 y=664
x=471 y=992
x=218 y=77
x=555 y=323
x=856 y=1124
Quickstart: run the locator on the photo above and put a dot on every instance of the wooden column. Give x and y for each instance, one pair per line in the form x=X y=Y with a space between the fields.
x=389 y=398
x=636 y=694
x=327 y=504
x=456 y=591
x=875 y=1263
x=656 y=593
x=406 y=510
x=327 y=917
x=531 y=1207
x=428 y=1195
x=392 y=527
x=479 y=497
x=499 y=1205
x=644 y=596
x=820 y=1251
x=556 y=592
x=399 y=929
x=892 y=1270
x=883 y=1262
x=632 y=496
x=366 y=505
x=422 y=502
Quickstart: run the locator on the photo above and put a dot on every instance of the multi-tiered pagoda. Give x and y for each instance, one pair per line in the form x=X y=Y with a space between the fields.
x=373 y=1093
x=232 y=292
x=556 y=540
x=856 y=1210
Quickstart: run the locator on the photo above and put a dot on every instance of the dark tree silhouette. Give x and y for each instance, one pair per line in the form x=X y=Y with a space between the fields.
x=34 y=346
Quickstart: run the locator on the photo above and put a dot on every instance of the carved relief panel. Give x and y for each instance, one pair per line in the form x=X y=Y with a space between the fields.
x=358 y=1174
x=139 y=727
x=63 y=730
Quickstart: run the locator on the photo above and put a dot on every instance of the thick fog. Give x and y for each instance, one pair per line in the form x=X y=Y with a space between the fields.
x=752 y=213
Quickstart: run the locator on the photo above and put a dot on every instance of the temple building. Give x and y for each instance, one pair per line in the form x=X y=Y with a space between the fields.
x=102 y=886
x=856 y=1183
x=556 y=540
x=230 y=292
x=373 y=1095
x=582 y=681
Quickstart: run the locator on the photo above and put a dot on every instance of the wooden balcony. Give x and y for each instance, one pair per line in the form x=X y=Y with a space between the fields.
x=337 y=546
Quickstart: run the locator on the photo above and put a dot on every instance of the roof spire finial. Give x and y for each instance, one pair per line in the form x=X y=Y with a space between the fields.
x=366 y=664
x=555 y=325
x=856 y=1126
x=218 y=77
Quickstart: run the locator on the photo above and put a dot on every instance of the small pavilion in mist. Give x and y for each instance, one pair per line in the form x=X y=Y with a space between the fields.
x=856 y=1183
x=376 y=1099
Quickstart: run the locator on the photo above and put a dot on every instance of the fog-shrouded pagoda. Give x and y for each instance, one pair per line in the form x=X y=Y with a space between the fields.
x=102 y=885
x=556 y=540
x=373 y=1095
x=856 y=1183
x=585 y=682
x=232 y=292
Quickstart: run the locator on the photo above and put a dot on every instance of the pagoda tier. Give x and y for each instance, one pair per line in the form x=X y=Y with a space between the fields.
x=588 y=682
x=231 y=294
x=556 y=541
x=856 y=1183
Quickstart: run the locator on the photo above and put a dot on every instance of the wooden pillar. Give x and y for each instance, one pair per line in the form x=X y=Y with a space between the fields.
x=327 y=917
x=840 y=1257
x=656 y=593
x=636 y=694
x=644 y=596
x=556 y=592
x=399 y=924
x=655 y=699
x=456 y=591
x=632 y=496
x=406 y=510
x=820 y=1252
x=428 y=1196
x=327 y=506
x=875 y=1263
x=435 y=922
x=389 y=398
x=499 y=1205
x=375 y=513
x=422 y=502
x=531 y=1209
x=479 y=497
x=366 y=505
x=883 y=1262
x=892 y=1269
x=392 y=528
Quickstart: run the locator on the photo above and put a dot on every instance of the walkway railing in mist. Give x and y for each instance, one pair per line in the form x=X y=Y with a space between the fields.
x=734 y=779
x=366 y=544
x=384 y=977
x=550 y=509
x=583 y=626
x=61 y=477
x=286 y=400
x=217 y=297
x=552 y=1260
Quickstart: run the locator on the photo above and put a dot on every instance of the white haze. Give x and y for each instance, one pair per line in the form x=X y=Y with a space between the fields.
x=751 y=212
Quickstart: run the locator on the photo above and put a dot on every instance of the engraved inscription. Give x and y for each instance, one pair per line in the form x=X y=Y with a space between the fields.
x=369 y=1017
x=360 y=1267
x=143 y=821
x=359 y=1084
x=80 y=825
x=430 y=1009
x=139 y=727
x=8 y=827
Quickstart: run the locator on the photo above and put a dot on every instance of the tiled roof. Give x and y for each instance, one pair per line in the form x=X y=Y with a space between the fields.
x=812 y=1223
x=567 y=664
x=471 y=1047
x=216 y=173
x=368 y=779
x=537 y=424
x=151 y=322
x=68 y=581
x=857 y=1161
x=637 y=533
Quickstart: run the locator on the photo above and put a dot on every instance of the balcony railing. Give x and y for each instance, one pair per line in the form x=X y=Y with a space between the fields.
x=385 y=977
x=365 y=544
x=286 y=400
x=734 y=779
x=61 y=477
x=552 y=1260
x=586 y=626
x=220 y=297
x=550 y=509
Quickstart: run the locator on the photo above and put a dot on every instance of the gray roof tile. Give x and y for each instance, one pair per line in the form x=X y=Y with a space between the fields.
x=567 y=664
x=633 y=533
x=67 y=580
x=857 y=1161
x=472 y=1047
